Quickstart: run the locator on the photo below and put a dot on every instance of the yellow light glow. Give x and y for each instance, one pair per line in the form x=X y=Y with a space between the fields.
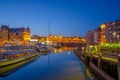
x=114 y=33
x=60 y=50
x=103 y=26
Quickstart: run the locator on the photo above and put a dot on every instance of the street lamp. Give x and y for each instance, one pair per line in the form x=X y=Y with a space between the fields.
x=118 y=36
x=83 y=48
x=114 y=34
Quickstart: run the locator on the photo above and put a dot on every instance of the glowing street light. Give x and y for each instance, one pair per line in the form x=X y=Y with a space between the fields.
x=114 y=34
x=118 y=36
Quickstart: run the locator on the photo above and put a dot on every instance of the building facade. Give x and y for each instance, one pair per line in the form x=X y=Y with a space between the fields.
x=62 y=39
x=113 y=32
x=19 y=35
x=93 y=37
x=4 y=34
x=108 y=32
x=14 y=35
x=103 y=33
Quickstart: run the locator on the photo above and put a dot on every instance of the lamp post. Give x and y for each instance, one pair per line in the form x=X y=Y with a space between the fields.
x=83 y=49
x=118 y=38
x=114 y=35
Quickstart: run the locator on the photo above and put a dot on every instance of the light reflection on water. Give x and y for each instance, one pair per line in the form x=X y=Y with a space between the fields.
x=61 y=64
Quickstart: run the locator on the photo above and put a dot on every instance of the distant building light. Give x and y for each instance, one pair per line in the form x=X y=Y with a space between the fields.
x=43 y=43
x=103 y=26
x=33 y=40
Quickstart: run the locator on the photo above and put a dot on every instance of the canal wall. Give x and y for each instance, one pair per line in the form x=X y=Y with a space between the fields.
x=103 y=68
x=118 y=67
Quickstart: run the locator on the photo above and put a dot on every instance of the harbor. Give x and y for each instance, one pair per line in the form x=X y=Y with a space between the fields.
x=89 y=66
x=49 y=67
x=59 y=40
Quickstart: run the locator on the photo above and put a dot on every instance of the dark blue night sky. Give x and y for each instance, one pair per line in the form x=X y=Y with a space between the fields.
x=66 y=17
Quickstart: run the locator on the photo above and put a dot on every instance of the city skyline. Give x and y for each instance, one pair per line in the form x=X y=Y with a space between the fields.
x=69 y=18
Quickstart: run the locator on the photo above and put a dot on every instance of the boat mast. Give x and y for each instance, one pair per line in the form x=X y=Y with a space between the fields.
x=48 y=43
x=49 y=27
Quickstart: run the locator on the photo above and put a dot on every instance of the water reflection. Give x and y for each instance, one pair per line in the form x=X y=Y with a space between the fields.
x=60 y=50
x=68 y=52
x=61 y=64
x=74 y=68
x=7 y=70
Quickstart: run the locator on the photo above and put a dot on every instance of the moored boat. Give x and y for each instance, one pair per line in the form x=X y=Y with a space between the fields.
x=58 y=46
x=43 y=48
x=6 y=70
x=9 y=58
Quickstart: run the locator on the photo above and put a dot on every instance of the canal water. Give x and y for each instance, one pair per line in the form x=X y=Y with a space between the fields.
x=57 y=65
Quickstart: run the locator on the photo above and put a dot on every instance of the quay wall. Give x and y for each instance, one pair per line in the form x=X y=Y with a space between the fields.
x=103 y=69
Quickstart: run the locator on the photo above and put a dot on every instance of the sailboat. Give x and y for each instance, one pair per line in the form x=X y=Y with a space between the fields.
x=57 y=46
x=42 y=48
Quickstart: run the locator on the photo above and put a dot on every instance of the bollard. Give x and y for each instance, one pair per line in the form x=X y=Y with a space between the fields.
x=91 y=58
x=99 y=63
x=99 y=60
x=118 y=67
